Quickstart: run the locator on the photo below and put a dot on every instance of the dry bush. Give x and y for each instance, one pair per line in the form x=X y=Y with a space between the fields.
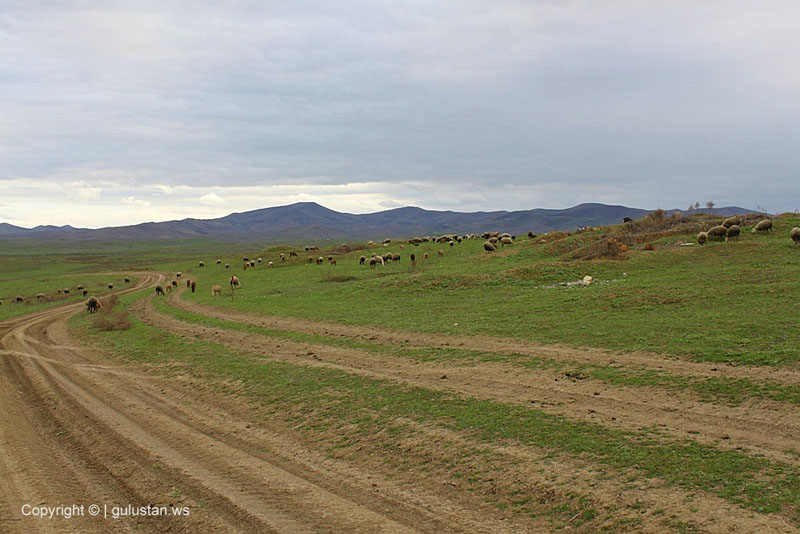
x=109 y=302
x=787 y=215
x=606 y=248
x=107 y=319
x=657 y=225
x=553 y=236
x=112 y=321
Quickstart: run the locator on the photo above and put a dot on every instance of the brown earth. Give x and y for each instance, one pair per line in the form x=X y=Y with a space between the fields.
x=80 y=427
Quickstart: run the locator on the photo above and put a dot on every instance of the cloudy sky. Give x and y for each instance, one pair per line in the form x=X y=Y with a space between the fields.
x=115 y=113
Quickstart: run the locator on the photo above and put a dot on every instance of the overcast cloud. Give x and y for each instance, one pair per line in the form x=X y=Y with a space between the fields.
x=118 y=113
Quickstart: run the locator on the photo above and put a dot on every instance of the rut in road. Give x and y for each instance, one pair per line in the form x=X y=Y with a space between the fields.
x=124 y=439
x=483 y=381
x=766 y=428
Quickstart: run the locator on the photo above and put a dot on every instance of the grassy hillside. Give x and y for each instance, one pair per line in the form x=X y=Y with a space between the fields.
x=731 y=301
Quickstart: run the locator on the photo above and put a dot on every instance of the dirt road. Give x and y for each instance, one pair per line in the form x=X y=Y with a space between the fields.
x=80 y=428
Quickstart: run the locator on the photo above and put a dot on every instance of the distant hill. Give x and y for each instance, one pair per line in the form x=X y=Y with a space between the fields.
x=310 y=221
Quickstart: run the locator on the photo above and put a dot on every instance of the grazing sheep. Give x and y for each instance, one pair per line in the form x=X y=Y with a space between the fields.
x=330 y=258
x=174 y=283
x=41 y=296
x=387 y=241
x=258 y=260
x=169 y=289
x=201 y=264
x=110 y=286
x=396 y=257
x=493 y=240
x=19 y=299
x=178 y=274
x=494 y=234
x=320 y=260
x=627 y=220
x=188 y=282
x=388 y=257
x=252 y=264
x=126 y=280
x=159 y=290
x=60 y=291
x=219 y=262
x=283 y=256
x=440 y=252
x=413 y=258
x=66 y=291
x=506 y=241
x=730 y=221
x=227 y=265
x=333 y=261
x=93 y=304
x=216 y=291
x=80 y=288
x=235 y=282
x=361 y=260
x=702 y=237
x=733 y=232
x=763 y=226
x=489 y=247
x=293 y=254
x=504 y=234
x=452 y=243
x=425 y=256
x=84 y=292
x=270 y=264
x=717 y=232
x=194 y=286
x=795 y=235
x=311 y=259
x=246 y=260
x=246 y=265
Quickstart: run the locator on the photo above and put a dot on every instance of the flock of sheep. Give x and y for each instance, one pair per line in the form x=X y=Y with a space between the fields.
x=66 y=291
x=731 y=228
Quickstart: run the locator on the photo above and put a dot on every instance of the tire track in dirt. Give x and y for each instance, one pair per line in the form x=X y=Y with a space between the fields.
x=766 y=427
x=118 y=430
x=714 y=513
x=498 y=345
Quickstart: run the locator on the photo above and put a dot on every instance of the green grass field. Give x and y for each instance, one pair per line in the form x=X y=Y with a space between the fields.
x=722 y=302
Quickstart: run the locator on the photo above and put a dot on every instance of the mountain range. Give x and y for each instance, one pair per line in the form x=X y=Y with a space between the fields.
x=310 y=221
